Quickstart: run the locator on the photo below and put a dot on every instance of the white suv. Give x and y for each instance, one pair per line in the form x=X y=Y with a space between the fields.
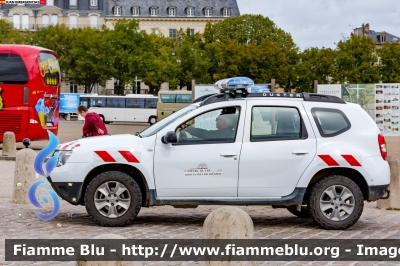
x=313 y=154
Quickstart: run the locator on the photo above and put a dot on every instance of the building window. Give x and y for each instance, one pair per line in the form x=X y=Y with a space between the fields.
x=208 y=11
x=45 y=20
x=172 y=11
x=93 y=21
x=73 y=21
x=191 y=32
x=73 y=88
x=54 y=19
x=226 y=12
x=50 y=2
x=16 y=21
x=155 y=31
x=72 y=2
x=25 y=22
x=93 y=2
x=135 y=11
x=154 y=11
x=172 y=33
x=117 y=11
x=190 y=11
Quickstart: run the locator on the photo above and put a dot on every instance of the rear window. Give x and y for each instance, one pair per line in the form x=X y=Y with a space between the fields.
x=49 y=69
x=12 y=69
x=330 y=122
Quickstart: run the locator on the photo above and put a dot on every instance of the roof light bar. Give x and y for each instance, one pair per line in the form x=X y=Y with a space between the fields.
x=233 y=84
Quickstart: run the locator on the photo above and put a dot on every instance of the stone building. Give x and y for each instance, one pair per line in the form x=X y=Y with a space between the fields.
x=378 y=37
x=161 y=16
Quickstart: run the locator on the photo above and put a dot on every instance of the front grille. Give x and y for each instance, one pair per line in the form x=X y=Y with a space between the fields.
x=10 y=122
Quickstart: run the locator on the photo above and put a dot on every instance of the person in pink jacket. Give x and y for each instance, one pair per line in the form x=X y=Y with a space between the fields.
x=94 y=125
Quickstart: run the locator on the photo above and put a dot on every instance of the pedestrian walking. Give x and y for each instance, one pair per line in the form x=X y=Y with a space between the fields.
x=94 y=125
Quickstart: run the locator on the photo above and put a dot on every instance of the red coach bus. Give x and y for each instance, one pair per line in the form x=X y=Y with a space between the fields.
x=30 y=83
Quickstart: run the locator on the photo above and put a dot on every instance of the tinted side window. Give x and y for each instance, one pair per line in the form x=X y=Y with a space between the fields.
x=151 y=103
x=116 y=102
x=98 y=102
x=183 y=98
x=330 y=122
x=135 y=103
x=12 y=69
x=168 y=98
x=276 y=123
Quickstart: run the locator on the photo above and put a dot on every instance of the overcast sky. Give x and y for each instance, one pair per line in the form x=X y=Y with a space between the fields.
x=322 y=23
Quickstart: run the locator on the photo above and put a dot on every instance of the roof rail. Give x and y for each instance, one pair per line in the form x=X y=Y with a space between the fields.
x=309 y=97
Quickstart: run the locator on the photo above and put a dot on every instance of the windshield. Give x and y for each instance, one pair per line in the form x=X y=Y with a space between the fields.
x=166 y=121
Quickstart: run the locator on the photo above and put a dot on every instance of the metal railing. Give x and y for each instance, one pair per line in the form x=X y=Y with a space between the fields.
x=34 y=27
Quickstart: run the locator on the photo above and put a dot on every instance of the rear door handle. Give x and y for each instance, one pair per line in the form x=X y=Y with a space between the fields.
x=299 y=152
x=228 y=154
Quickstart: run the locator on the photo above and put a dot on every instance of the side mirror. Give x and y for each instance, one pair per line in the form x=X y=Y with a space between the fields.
x=170 y=137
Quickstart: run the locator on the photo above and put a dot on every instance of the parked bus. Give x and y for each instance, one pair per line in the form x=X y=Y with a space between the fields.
x=29 y=91
x=171 y=101
x=129 y=108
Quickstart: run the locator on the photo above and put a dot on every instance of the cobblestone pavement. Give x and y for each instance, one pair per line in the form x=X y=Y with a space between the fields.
x=19 y=221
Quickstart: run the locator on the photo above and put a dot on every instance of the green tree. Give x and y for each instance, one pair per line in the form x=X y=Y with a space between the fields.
x=158 y=64
x=91 y=62
x=248 y=29
x=315 y=64
x=129 y=52
x=8 y=34
x=356 y=61
x=58 y=38
x=193 y=62
x=390 y=62
x=244 y=35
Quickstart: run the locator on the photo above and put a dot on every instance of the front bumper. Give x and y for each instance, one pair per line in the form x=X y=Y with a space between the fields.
x=69 y=191
x=377 y=192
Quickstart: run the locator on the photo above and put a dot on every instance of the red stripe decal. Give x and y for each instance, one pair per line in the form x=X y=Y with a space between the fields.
x=351 y=160
x=105 y=156
x=129 y=156
x=65 y=146
x=328 y=160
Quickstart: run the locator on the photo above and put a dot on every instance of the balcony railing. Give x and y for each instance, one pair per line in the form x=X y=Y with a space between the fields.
x=34 y=27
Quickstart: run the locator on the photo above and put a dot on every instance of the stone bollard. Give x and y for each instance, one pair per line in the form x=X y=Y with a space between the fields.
x=24 y=175
x=394 y=200
x=9 y=145
x=106 y=252
x=228 y=223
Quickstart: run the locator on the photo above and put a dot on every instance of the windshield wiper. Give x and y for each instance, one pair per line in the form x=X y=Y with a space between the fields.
x=137 y=134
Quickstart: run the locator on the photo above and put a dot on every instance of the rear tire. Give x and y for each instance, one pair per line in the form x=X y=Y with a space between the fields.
x=336 y=202
x=301 y=214
x=113 y=198
x=152 y=120
x=104 y=121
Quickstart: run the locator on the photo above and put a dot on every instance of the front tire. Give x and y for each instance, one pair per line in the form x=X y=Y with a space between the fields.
x=336 y=202
x=113 y=198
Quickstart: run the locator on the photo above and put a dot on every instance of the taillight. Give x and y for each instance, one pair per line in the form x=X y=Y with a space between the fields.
x=382 y=146
x=33 y=118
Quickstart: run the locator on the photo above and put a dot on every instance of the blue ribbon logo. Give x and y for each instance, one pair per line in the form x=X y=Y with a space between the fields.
x=50 y=165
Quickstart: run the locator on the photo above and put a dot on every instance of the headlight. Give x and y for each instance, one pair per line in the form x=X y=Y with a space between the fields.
x=63 y=157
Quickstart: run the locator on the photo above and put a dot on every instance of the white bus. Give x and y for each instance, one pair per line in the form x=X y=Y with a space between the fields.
x=129 y=108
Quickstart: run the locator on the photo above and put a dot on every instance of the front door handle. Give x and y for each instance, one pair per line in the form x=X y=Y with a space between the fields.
x=299 y=152
x=228 y=154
